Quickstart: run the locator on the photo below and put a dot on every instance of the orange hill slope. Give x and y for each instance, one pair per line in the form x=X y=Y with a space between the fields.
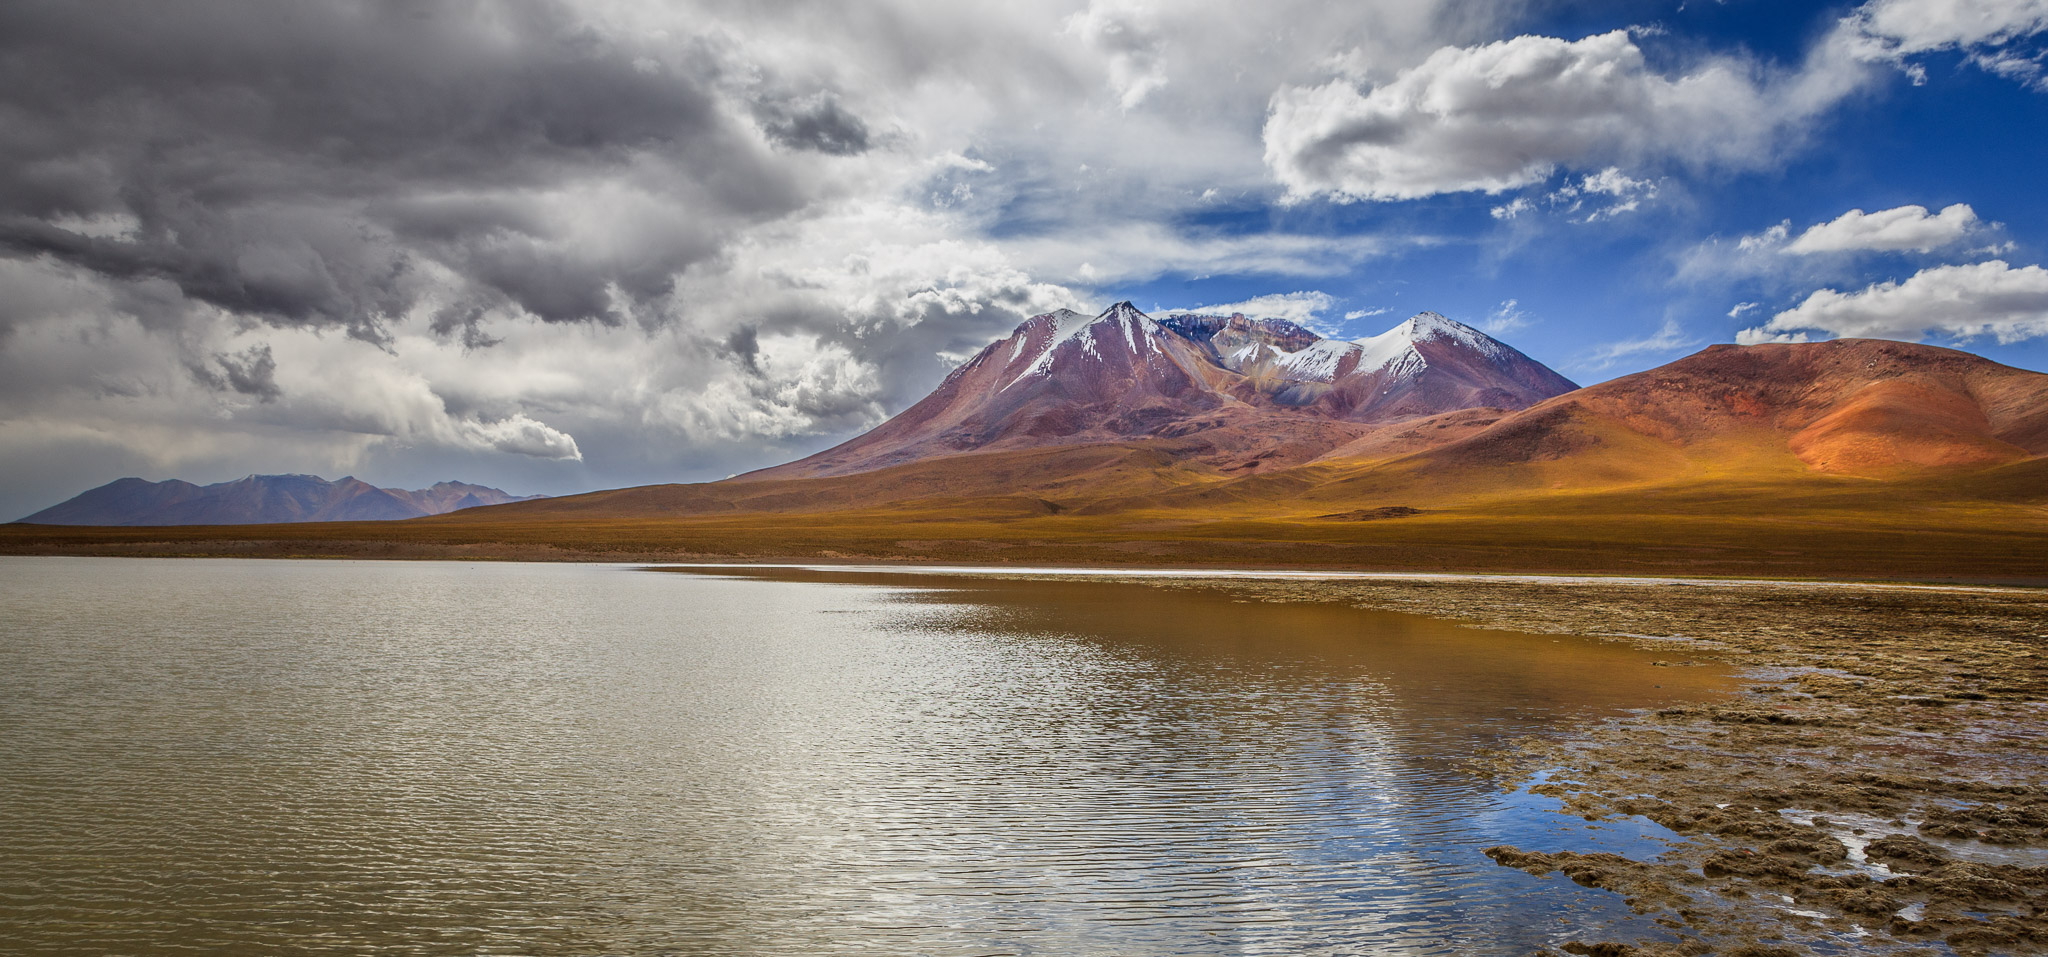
x=1861 y=407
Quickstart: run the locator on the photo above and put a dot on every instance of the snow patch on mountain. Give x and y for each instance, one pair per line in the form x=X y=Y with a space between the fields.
x=1428 y=326
x=1319 y=361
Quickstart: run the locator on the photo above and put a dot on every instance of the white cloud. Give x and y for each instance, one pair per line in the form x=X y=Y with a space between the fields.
x=1301 y=308
x=1116 y=253
x=1961 y=302
x=1986 y=31
x=1613 y=182
x=522 y=435
x=1669 y=337
x=1505 y=318
x=1770 y=240
x=1128 y=39
x=1742 y=308
x=1897 y=229
x=1820 y=253
x=1907 y=27
x=1588 y=199
x=1505 y=115
x=1623 y=194
x=1356 y=314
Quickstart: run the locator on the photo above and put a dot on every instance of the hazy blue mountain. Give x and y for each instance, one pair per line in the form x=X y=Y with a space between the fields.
x=263 y=500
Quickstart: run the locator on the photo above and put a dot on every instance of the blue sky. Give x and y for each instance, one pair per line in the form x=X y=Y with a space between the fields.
x=558 y=245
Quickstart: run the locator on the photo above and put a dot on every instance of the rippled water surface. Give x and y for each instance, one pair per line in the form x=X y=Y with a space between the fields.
x=246 y=757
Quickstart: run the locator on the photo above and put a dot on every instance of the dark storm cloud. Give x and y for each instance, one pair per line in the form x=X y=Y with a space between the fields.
x=303 y=163
x=816 y=123
x=251 y=372
x=744 y=346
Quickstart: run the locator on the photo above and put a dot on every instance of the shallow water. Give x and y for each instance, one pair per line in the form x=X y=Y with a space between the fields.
x=353 y=757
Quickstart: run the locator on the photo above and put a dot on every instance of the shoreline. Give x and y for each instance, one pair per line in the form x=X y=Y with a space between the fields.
x=1879 y=783
x=267 y=550
x=1915 y=542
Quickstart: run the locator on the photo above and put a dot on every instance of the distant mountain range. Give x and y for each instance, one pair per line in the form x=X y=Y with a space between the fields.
x=263 y=500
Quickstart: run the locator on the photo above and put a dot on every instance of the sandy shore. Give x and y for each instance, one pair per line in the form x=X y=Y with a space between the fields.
x=1879 y=785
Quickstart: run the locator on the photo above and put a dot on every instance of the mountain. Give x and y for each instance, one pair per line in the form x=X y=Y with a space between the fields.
x=1864 y=408
x=1424 y=366
x=262 y=500
x=1249 y=394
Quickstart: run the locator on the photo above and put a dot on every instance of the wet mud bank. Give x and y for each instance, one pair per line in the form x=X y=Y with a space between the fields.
x=1879 y=784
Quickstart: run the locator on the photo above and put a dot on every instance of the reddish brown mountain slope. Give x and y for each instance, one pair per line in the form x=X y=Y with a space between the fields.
x=1235 y=395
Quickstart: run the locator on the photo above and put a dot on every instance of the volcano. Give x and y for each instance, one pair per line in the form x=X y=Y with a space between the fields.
x=1240 y=390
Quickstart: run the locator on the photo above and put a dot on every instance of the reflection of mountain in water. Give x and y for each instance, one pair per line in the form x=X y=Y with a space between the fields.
x=556 y=758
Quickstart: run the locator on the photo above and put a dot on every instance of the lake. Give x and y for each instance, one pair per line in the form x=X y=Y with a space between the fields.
x=256 y=757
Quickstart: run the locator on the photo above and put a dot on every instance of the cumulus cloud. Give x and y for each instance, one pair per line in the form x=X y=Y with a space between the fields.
x=1900 y=228
x=1503 y=115
x=1128 y=39
x=523 y=436
x=1978 y=300
x=1824 y=252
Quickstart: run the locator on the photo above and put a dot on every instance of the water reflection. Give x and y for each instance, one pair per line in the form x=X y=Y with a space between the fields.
x=347 y=757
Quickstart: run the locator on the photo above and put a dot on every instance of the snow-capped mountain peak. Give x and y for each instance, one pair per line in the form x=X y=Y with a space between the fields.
x=1120 y=328
x=1430 y=326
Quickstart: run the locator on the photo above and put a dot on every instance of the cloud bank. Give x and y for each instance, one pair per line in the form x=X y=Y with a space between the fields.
x=1988 y=299
x=1504 y=115
x=1891 y=230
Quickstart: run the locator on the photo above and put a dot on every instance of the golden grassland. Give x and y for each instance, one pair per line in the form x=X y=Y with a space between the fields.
x=1986 y=526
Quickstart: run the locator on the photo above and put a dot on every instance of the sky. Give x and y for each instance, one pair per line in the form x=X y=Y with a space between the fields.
x=560 y=246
